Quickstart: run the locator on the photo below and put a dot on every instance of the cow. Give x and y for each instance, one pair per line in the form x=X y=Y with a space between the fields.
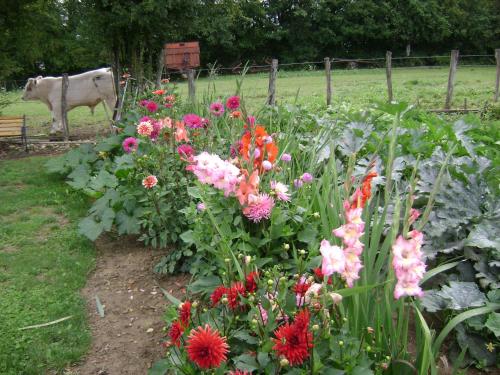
x=86 y=89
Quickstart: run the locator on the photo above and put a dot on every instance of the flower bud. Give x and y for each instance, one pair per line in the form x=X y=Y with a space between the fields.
x=368 y=348
x=284 y=362
x=286 y=246
x=227 y=260
x=315 y=327
x=282 y=279
x=302 y=252
x=270 y=282
x=254 y=322
x=337 y=298
x=316 y=215
x=251 y=298
x=370 y=330
x=224 y=300
x=240 y=256
x=341 y=343
x=195 y=304
x=248 y=259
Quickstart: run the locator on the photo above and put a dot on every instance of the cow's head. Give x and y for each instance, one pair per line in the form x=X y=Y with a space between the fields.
x=30 y=90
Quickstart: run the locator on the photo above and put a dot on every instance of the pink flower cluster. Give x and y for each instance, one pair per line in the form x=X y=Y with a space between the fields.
x=345 y=261
x=212 y=170
x=408 y=265
x=259 y=207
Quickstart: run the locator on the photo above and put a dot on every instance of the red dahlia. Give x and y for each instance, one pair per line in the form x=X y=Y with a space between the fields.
x=319 y=274
x=217 y=294
x=301 y=287
x=206 y=347
x=251 y=282
x=185 y=313
x=293 y=341
x=175 y=333
x=233 y=294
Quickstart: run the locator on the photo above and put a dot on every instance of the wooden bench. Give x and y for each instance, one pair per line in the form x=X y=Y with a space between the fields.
x=14 y=127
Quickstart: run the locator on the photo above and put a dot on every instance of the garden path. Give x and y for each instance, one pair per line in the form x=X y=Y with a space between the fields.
x=127 y=340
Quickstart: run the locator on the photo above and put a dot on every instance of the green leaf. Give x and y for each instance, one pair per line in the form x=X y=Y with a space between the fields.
x=437 y=270
x=493 y=323
x=205 y=284
x=433 y=301
x=160 y=367
x=246 y=362
x=79 y=178
x=263 y=359
x=103 y=179
x=244 y=336
x=463 y=295
x=107 y=218
x=127 y=224
x=476 y=346
x=194 y=192
x=188 y=237
x=170 y=297
x=308 y=235
x=90 y=228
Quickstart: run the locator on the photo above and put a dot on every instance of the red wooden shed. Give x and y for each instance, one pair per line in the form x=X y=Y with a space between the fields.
x=182 y=56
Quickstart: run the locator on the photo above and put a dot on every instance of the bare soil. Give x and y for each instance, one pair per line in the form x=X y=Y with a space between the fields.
x=127 y=340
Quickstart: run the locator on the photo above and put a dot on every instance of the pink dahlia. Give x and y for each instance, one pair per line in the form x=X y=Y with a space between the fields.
x=145 y=128
x=130 y=144
x=259 y=207
x=150 y=182
x=185 y=150
x=151 y=106
x=217 y=109
x=233 y=102
x=281 y=191
x=192 y=121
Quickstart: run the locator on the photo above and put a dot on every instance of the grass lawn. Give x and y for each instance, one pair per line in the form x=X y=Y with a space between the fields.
x=43 y=265
x=359 y=87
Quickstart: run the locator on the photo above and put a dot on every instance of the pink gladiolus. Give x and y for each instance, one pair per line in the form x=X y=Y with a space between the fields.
x=233 y=102
x=210 y=169
x=409 y=266
x=259 y=207
x=333 y=259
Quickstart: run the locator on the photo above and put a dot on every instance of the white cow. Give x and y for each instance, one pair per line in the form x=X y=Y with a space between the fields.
x=86 y=89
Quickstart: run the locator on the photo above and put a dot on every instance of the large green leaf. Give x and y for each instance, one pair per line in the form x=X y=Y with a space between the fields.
x=90 y=228
x=126 y=223
x=246 y=362
x=79 y=178
x=103 y=179
x=463 y=295
x=493 y=323
x=160 y=367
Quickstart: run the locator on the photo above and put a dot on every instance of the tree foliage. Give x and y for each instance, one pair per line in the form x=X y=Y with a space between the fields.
x=51 y=36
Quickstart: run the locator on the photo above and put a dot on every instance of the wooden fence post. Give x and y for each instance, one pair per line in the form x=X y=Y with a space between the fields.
x=328 y=73
x=64 y=106
x=159 y=68
x=191 y=86
x=271 y=93
x=497 y=83
x=451 y=78
x=388 y=73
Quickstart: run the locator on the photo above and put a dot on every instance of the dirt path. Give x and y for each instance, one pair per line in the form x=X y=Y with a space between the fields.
x=127 y=339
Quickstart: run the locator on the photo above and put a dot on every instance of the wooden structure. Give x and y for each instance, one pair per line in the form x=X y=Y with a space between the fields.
x=14 y=127
x=182 y=56
x=451 y=78
x=271 y=92
x=388 y=73
x=328 y=74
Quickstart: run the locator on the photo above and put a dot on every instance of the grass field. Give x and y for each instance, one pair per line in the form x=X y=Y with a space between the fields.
x=359 y=87
x=43 y=265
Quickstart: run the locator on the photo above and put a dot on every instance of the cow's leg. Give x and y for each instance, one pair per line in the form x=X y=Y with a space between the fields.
x=56 y=119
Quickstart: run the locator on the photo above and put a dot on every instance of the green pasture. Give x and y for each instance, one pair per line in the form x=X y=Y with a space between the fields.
x=43 y=265
x=427 y=86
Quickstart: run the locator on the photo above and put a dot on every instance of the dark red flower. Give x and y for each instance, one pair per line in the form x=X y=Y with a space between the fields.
x=206 y=347
x=185 y=313
x=251 y=282
x=293 y=341
x=319 y=274
x=301 y=287
x=217 y=294
x=175 y=333
x=233 y=294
